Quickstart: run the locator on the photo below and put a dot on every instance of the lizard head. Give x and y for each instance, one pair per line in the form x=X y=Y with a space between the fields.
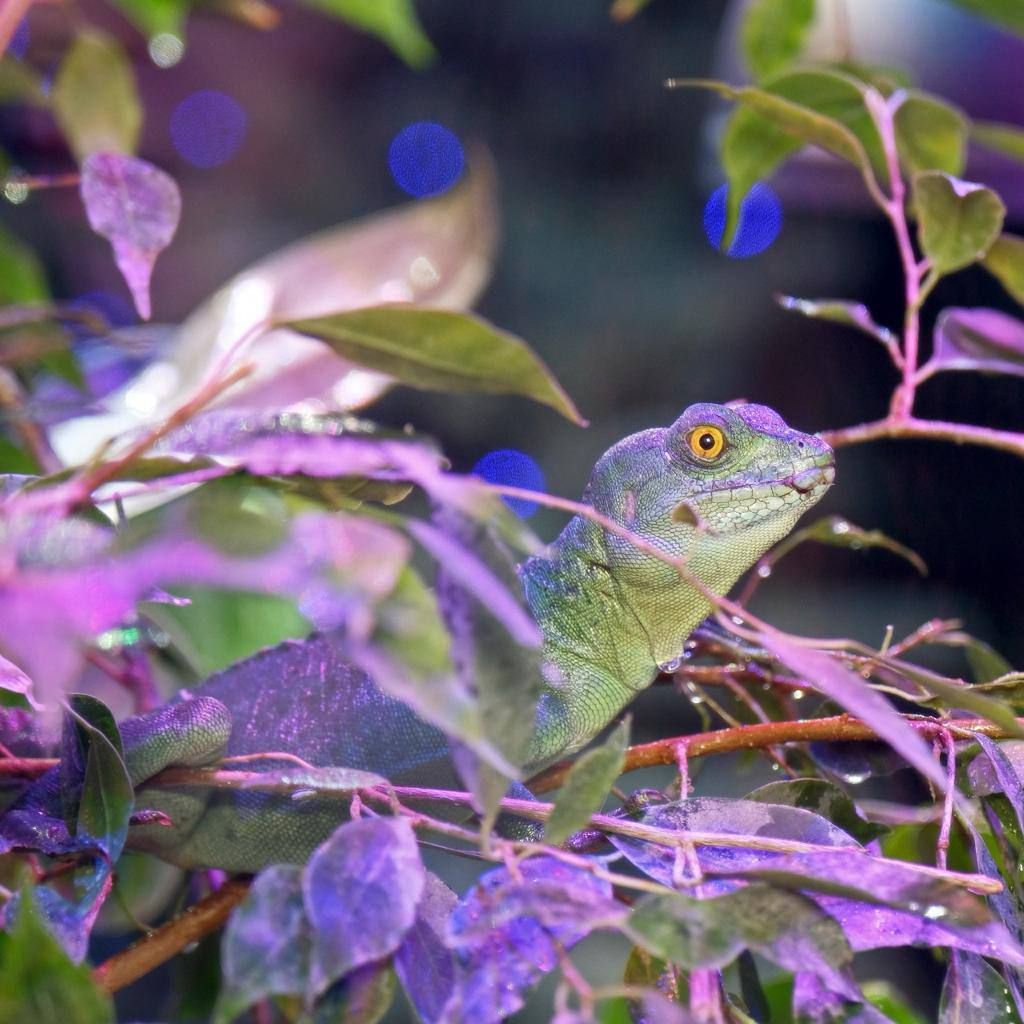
x=720 y=485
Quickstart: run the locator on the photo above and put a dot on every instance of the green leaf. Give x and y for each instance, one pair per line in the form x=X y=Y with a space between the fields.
x=822 y=798
x=985 y=662
x=107 y=796
x=151 y=17
x=220 y=627
x=21 y=274
x=773 y=33
x=852 y=314
x=784 y=927
x=21 y=83
x=94 y=97
x=822 y=108
x=586 y=786
x=1008 y=13
x=439 y=350
x=930 y=135
x=1007 y=139
x=38 y=981
x=1005 y=262
x=394 y=22
x=957 y=220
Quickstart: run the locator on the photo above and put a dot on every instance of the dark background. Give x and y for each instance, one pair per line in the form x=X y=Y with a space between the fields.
x=603 y=265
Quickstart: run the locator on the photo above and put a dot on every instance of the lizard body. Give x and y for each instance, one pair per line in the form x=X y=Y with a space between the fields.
x=719 y=486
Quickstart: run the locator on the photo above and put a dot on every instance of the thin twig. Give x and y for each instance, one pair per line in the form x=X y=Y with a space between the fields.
x=12 y=398
x=929 y=430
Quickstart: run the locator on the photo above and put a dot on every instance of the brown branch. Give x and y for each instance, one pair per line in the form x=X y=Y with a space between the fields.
x=141 y=957
x=930 y=430
x=758 y=736
x=27 y=768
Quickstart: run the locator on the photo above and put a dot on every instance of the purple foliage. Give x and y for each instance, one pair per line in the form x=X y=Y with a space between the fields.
x=136 y=207
x=978 y=339
x=506 y=930
x=361 y=889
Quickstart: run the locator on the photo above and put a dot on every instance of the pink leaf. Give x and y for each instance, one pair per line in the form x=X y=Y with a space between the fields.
x=136 y=206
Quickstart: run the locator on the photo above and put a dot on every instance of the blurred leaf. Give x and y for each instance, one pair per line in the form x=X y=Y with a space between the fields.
x=136 y=207
x=220 y=627
x=1007 y=13
x=931 y=135
x=785 y=928
x=1005 y=261
x=151 y=17
x=883 y=77
x=362 y=997
x=986 y=340
x=852 y=314
x=957 y=220
x=424 y=962
x=773 y=33
x=586 y=786
x=439 y=350
x=891 y=1002
x=623 y=10
x=822 y=798
x=848 y=689
x=38 y=982
x=266 y=945
x=975 y=993
x=825 y=109
x=394 y=22
x=1007 y=139
x=238 y=518
x=985 y=662
x=21 y=83
x=836 y=531
x=21 y=274
x=94 y=97
x=360 y=889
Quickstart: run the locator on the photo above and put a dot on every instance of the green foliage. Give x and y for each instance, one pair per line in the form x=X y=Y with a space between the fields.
x=38 y=982
x=1005 y=261
x=152 y=17
x=94 y=97
x=394 y=22
x=436 y=349
x=930 y=134
x=586 y=786
x=959 y=220
x=773 y=33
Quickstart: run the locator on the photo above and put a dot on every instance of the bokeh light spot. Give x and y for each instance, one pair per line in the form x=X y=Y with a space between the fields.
x=15 y=191
x=207 y=127
x=425 y=159
x=166 y=49
x=18 y=46
x=759 y=223
x=514 y=469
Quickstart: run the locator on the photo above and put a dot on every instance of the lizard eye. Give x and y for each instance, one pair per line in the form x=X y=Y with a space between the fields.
x=706 y=442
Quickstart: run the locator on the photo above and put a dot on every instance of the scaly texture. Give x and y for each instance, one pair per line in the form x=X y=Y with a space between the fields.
x=718 y=487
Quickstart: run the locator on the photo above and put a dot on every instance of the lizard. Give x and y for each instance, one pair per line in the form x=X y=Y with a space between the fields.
x=718 y=487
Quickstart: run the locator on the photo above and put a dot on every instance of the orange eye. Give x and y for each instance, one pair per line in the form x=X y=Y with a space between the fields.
x=706 y=442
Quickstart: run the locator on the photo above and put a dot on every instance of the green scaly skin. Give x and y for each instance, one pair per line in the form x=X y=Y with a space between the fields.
x=611 y=616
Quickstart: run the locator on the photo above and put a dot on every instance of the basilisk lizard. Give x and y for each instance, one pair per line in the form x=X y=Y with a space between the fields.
x=718 y=487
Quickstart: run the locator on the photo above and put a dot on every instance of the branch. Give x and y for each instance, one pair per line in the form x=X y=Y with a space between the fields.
x=141 y=957
x=930 y=430
x=761 y=735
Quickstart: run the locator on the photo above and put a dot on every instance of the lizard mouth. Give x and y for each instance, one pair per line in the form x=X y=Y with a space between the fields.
x=811 y=479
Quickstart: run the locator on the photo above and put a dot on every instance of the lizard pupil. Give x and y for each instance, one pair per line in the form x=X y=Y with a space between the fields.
x=707 y=441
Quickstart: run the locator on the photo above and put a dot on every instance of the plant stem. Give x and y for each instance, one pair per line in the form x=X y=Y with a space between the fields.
x=12 y=398
x=931 y=430
x=141 y=957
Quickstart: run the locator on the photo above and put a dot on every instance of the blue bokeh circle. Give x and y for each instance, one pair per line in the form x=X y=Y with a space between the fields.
x=425 y=159
x=207 y=127
x=514 y=469
x=759 y=223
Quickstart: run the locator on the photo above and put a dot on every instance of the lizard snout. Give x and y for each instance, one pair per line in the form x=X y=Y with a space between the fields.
x=813 y=477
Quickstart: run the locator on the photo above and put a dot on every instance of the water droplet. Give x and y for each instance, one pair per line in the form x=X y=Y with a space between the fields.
x=15 y=191
x=934 y=912
x=855 y=778
x=671 y=665
x=798 y=695
x=166 y=49
x=840 y=526
x=764 y=571
x=776 y=767
x=737 y=621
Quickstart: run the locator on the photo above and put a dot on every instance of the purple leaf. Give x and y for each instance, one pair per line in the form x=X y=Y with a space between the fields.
x=505 y=933
x=850 y=691
x=424 y=963
x=266 y=946
x=815 y=1003
x=999 y=770
x=14 y=680
x=361 y=889
x=974 y=993
x=977 y=339
x=734 y=817
x=136 y=207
